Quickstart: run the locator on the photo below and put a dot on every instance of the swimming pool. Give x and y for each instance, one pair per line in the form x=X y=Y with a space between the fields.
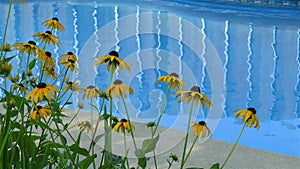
x=240 y=54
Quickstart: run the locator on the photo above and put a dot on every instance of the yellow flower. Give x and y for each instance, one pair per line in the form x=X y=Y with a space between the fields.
x=112 y=60
x=69 y=55
x=70 y=63
x=201 y=128
x=194 y=94
x=40 y=112
x=41 y=90
x=74 y=86
x=29 y=47
x=123 y=124
x=118 y=88
x=91 y=91
x=5 y=47
x=47 y=37
x=49 y=72
x=54 y=24
x=85 y=125
x=47 y=58
x=19 y=86
x=249 y=116
x=175 y=82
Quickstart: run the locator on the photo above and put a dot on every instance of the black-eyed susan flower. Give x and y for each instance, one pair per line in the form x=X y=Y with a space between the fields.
x=6 y=47
x=118 y=89
x=40 y=112
x=85 y=125
x=54 y=23
x=69 y=55
x=249 y=116
x=70 y=63
x=113 y=61
x=47 y=38
x=47 y=58
x=173 y=79
x=74 y=86
x=41 y=90
x=123 y=124
x=29 y=47
x=19 y=86
x=50 y=72
x=91 y=92
x=201 y=129
x=194 y=94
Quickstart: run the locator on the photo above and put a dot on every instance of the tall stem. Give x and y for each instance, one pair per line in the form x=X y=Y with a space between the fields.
x=162 y=110
x=187 y=135
x=188 y=154
x=128 y=119
x=234 y=145
x=6 y=24
x=97 y=124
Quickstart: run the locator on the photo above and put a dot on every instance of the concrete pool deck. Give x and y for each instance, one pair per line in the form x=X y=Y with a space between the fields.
x=204 y=154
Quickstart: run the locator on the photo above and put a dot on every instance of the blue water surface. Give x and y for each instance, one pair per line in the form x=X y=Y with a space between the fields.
x=240 y=54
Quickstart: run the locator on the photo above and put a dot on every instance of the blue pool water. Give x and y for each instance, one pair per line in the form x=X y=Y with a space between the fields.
x=241 y=54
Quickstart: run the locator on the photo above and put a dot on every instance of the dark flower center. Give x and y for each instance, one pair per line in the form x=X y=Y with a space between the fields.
x=48 y=54
x=56 y=19
x=70 y=53
x=123 y=120
x=114 y=53
x=196 y=89
x=90 y=87
x=252 y=110
x=70 y=83
x=49 y=32
x=39 y=107
x=202 y=123
x=71 y=60
x=31 y=42
x=41 y=85
x=21 y=85
x=174 y=74
x=118 y=81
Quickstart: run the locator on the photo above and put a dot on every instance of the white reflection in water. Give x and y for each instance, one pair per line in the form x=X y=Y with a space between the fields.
x=249 y=40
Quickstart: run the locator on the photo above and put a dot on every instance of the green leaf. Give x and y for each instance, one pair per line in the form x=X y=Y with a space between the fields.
x=139 y=153
x=76 y=149
x=87 y=161
x=149 y=144
x=32 y=64
x=98 y=138
x=142 y=162
x=215 y=166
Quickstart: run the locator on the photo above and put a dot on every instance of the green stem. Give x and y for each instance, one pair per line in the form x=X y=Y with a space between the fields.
x=162 y=110
x=6 y=24
x=110 y=118
x=42 y=69
x=97 y=124
x=128 y=119
x=92 y=117
x=187 y=135
x=190 y=150
x=234 y=145
x=154 y=154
